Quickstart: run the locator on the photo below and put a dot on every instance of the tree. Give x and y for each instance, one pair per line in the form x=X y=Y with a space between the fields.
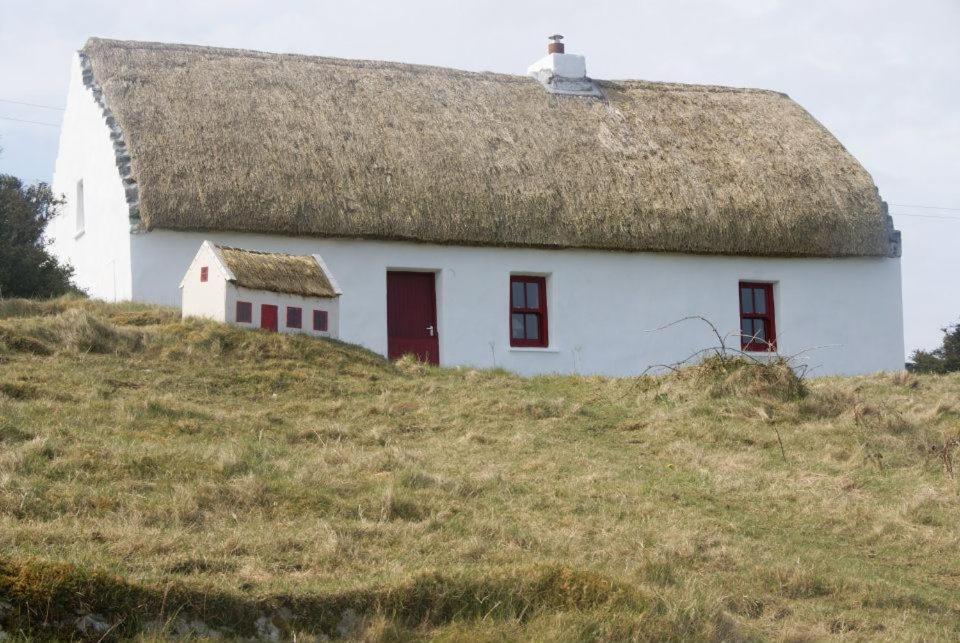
x=26 y=268
x=945 y=359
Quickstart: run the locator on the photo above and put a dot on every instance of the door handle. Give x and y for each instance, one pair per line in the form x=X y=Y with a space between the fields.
x=430 y=330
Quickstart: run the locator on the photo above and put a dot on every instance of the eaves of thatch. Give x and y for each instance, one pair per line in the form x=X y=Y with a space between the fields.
x=222 y=139
x=277 y=272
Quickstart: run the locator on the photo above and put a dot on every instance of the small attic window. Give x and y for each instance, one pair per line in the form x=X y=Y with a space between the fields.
x=80 y=208
x=204 y=273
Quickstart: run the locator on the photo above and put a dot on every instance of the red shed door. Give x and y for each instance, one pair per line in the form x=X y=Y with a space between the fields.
x=268 y=317
x=412 y=316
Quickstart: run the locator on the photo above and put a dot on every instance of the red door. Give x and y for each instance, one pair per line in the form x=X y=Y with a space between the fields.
x=268 y=317
x=412 y=316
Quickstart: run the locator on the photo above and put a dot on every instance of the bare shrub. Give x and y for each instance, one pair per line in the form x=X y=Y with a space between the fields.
x=725 y=376
x=728 y=371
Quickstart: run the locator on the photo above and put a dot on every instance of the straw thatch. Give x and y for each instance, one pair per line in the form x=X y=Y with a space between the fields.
x=225 y=139
x=277 y=272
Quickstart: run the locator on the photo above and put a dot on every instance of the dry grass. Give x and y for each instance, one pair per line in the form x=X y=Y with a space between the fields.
x=277 y=272
x=210 y=477
x=236 y=140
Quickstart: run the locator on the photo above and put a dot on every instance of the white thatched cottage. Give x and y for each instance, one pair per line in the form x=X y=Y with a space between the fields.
x=275 y=291
x=542 y=223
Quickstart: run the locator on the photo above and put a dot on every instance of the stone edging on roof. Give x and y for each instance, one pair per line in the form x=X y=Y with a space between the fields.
x=120 y=151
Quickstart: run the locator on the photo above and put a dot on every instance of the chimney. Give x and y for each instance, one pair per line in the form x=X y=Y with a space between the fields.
x=559 y=63
x=555 y=46
x=563 y=73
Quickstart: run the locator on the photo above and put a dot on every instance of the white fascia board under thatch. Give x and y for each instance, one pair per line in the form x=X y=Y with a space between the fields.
x=329 y=275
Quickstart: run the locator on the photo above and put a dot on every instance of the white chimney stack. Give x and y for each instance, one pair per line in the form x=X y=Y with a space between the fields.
x=559 y=63
x=563 y=73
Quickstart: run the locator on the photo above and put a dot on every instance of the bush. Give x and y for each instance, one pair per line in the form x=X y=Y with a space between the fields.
x=945 y=359
x=26 y=268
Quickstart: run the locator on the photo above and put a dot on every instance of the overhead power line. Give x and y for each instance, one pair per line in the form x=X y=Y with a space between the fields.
x=925 y=207
x=23 y=120
x=945 y=217
x=20 y=102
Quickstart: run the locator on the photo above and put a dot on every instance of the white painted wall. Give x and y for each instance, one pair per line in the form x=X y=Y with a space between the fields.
x=206 y=299
x=602 y=305
x=101 y=253
x=282 y=301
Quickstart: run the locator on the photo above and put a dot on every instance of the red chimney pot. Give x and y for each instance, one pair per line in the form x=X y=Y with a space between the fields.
x=555 y=46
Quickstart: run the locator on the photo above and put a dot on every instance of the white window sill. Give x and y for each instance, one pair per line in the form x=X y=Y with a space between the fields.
x=534 y=349
x=78 y=234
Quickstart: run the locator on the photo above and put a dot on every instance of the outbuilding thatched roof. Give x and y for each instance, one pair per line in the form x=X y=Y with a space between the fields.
x=224 y=139
x=277 y=272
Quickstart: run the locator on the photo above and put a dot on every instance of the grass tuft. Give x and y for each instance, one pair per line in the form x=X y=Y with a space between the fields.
x=47 y=599
x=735 y=376
x=72 y=331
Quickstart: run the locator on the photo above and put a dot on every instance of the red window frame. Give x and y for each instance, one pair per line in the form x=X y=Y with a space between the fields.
x=320 y=320
x=749 y=313
x=540 y=311
x=204 y=273
x=294 y=317
x=244 y=312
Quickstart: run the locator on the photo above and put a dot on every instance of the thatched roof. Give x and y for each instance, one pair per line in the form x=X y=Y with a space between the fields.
x=277 y=272
x=224 y=139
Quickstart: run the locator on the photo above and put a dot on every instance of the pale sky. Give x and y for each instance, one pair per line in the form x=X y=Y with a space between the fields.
x=882 y=75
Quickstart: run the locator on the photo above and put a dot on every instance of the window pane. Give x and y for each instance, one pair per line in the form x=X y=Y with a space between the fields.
x=746 y=329
x=519 y=301
x=760 y=330
x=244 y=311
x=746 y=300
x=533 y=295
x=294 y=317
x=320 y=320
x=516 y=326
x=760 y=300
x=533 y=326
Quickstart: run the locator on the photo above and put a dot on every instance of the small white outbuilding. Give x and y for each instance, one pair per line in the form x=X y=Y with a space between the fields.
x=270 y=290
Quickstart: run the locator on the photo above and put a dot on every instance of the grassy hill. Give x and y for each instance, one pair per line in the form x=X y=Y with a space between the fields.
x=160 y=478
